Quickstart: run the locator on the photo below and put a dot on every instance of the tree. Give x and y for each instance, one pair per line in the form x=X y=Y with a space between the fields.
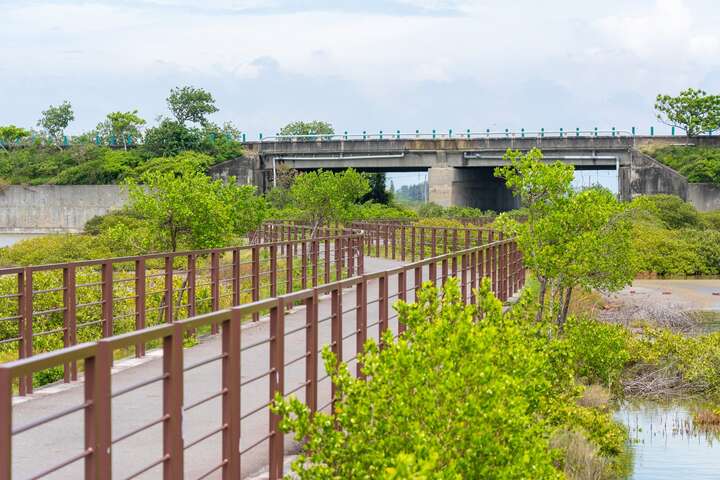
x=121 y=126
x=693 y=111
x=315 y=127
x=194 y=211
x=190 y=104
x=454 y=397
x=55 y=120
x=169 y=138
x=10 y=134
x=570 y=239
x=378 y=191
x=324 y=196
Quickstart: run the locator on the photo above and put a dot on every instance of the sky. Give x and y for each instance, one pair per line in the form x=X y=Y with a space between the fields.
x=361 y=65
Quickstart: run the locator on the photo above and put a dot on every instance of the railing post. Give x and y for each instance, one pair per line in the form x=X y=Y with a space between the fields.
x=360 y=321
x=315 y=253
x=402 y=242
x=231 y=368
x=140 y=303
x=173 y=403
x=361 y=258
x=215 y=286
x=289 y=269
x=236 y=276
x=69 y=319
x=383 y=305
x=336 y=335
x=422 y=243
x=169 y=268
x=273 y=270
x=350 y=242
x=473 y=276
x=6 y=424
x=255 y=280
x=303 y=263
x=26 y=385
x=100 y=412
x=418 y=282
x=402 y=295
x=433 y=246
x=444 y=271
x=107 y=298
x=277 y=386
x=192 y=279
x=393 y=228
x=311 y=346
x=463 y=276
x=327 y=260
x=387 y=240
x=338 y=259
x=412 y=243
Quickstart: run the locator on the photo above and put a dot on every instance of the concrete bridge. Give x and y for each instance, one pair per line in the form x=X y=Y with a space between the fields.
x=460 y=168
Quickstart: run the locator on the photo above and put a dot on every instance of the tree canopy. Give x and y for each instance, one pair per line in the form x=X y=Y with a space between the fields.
x=570 y=239
x=693 y=111
x=315 y=127
x=10 y=134
x=191 y=104
x=55 y=120
x=323 y=196
x=121 y=127
x=192 y=210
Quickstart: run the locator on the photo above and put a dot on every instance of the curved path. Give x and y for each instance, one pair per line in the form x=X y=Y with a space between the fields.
x=45 y=446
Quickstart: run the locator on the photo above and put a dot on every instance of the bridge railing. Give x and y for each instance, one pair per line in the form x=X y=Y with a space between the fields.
x=48 y=307
x=285 y=372
x=450 y=135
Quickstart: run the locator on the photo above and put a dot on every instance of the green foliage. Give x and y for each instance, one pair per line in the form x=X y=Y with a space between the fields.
x=378 y=211
x=48 y=249
x=412 y=193
x=433 y=210
x=315 y=127
x=110 y=167
x=671 y=210
x=697 y=164
x=378 y=191
x=454 y=397
x=190 y=104
x=121 y=128
x=170 y=138
x=55 y=120
x=600 y=351
x=693 y=359
x=570 y=239
x=693 y=110
x=10 y=134
x=192 y=210
x=176 y=164
x=670 y=237
x=323 y=196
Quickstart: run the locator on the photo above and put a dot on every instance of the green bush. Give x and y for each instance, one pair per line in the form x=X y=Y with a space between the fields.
x=676 y=252
x=671 y=210
x=454 y=397
x=697 y=164
x=48 y=249
x=433 y=210
x=600 y=351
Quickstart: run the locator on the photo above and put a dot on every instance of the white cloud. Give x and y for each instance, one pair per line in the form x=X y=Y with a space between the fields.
x=477 y=61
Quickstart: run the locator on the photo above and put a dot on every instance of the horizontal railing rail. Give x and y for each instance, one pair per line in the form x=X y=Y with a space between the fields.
x=359 y=308
x=47 y=307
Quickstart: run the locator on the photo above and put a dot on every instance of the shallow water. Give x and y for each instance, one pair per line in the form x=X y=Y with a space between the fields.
x=666 y=446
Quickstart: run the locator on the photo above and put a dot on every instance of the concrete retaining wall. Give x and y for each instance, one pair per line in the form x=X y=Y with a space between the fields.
x=55 y=208
x=704 y=196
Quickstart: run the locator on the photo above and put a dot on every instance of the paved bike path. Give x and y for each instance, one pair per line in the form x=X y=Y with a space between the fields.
x=50 y=444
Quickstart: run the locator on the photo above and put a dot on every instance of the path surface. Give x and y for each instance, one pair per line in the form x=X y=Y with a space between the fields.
x=48 y=445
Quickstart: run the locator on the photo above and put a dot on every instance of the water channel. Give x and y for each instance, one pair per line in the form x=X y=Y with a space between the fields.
x=664 y=442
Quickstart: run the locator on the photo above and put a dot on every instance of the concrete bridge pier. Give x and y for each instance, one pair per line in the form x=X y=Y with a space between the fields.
x=475 y=187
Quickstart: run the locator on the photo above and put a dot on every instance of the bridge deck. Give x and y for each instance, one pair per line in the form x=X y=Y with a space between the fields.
x=41 y=447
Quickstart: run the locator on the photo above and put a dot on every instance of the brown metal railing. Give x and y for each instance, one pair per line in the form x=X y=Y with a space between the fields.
x=326 y=315
x=47 y=307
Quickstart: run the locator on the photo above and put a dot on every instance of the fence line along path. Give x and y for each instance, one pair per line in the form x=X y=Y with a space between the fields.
x=202 y=412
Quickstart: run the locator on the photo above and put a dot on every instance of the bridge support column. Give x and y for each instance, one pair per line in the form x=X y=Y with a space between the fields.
x=469 y=187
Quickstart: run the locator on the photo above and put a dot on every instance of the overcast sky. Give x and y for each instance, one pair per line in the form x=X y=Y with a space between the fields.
x=397 y=64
